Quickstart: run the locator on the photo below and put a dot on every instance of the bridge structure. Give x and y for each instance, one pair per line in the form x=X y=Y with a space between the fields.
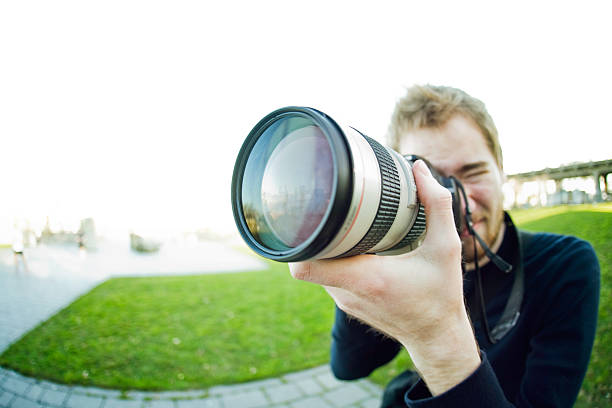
x=597 y=171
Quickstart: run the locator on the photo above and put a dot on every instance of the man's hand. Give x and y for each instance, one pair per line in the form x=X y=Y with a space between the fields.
x=416 y=298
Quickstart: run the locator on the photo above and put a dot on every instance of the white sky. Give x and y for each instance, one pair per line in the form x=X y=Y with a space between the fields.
x=133 y=112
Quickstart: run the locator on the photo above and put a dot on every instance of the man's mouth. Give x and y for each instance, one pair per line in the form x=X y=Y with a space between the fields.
x=465 y=232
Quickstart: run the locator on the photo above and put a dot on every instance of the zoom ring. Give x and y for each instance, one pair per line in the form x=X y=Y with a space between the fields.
x=416 y=231
x=389 y=201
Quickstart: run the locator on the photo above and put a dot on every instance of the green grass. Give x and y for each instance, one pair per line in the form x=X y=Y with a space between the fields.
x=198 y=331
x=181 y=332
x=523 y=217
x=594 y=224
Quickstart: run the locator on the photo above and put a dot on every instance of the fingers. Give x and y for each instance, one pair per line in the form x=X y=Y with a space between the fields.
x=344 y=299
x=340 y=273
x=438 y=204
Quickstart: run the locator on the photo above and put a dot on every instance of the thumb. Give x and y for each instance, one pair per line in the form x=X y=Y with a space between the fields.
x=438 y=203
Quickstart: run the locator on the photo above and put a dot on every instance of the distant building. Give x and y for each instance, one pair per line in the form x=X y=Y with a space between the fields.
x=546 y=186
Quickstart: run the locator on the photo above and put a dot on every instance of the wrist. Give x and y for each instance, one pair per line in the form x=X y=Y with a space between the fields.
x=445 y=356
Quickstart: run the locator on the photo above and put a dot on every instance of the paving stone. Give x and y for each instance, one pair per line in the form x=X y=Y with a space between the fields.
x=15 y=385
x=165 y=395
x=34 y=392
x=311 y=402
x=189 y=394
x=329 y=381
x=55 y=387
x=236 y=388
x=84 y=401
x=309 y=386
x=100 y=392
x=311 y=372
x=5 y=398
x=221 y=390
x=348 y=394
x=283 y=393
x=213 y=402
x=10 y=372
x=371 y=403
x=23 y=378
x=370 y=387
x=159 y=404
x=122 y=403
x=78 y=389
x=53 y=397
x=137 y=395
x=270 y=382
x=21 y=402
x=249 y=399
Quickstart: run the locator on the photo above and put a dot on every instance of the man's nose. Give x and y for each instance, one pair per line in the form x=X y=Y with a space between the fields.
x=470 y=201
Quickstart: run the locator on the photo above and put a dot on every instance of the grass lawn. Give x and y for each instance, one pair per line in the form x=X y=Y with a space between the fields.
x=197 y=331
x=181 y=332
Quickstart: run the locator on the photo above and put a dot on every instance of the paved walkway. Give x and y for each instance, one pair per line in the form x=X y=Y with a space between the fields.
x=306 y=389
x=59 y=274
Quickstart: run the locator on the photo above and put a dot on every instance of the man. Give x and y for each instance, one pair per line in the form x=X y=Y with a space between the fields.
x=539 y=358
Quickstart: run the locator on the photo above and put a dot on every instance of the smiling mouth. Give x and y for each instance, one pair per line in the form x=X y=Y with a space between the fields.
x=465 y=232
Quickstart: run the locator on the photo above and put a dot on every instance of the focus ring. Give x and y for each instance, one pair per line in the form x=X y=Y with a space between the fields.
x=389 y=200
x=416 y=231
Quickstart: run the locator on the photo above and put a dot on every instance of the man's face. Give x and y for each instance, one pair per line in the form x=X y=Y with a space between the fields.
x=459 y=149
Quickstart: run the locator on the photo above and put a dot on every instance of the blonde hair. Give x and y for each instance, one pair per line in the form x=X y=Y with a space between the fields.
x=433 y=106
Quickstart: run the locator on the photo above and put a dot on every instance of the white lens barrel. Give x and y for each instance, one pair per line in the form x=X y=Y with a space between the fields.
x=366 y=202
x=367 y=189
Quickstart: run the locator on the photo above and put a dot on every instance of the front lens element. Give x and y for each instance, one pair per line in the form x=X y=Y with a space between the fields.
x=289 y=182
x=297 y=185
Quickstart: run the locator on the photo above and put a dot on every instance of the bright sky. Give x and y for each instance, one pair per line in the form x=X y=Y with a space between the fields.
x=133 y=112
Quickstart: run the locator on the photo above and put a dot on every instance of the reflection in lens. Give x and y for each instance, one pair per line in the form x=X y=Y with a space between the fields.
x=297 y=185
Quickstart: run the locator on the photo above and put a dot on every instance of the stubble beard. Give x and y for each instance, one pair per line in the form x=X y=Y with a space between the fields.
x=493 y=228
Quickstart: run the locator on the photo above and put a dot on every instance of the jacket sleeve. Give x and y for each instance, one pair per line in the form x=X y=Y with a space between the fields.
x=357 y=349
x=480 y=389
x=560 y=346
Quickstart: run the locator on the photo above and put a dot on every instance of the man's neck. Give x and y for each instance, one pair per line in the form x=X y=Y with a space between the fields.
x=484 y=259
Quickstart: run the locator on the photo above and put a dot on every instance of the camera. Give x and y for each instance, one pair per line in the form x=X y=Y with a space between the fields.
x=305 y=187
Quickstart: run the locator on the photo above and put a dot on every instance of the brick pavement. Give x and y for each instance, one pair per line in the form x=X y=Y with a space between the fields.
x=310 y=388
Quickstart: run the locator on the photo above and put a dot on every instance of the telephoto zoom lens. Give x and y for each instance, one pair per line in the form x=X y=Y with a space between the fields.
x=305 y=187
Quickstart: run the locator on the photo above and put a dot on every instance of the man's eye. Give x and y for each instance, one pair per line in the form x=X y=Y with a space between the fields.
x=475 y=174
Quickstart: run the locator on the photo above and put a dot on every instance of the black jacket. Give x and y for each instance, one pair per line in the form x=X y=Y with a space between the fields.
x=540 y=362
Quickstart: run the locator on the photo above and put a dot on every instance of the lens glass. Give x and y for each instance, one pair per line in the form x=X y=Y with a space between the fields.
x=288 y=182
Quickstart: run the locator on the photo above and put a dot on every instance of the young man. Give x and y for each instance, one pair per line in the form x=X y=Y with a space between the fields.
x=537 y=358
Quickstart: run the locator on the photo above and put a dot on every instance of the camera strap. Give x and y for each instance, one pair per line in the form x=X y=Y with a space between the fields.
x=512 y=310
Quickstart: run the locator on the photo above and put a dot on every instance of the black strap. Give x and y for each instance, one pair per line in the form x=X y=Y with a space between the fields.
x=512 y=311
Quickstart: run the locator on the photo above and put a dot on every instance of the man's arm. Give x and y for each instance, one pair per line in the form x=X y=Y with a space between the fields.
x=560 y=347
x=416 y=298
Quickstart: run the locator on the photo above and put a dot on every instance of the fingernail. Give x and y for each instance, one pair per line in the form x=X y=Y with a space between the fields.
x=422 y=168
